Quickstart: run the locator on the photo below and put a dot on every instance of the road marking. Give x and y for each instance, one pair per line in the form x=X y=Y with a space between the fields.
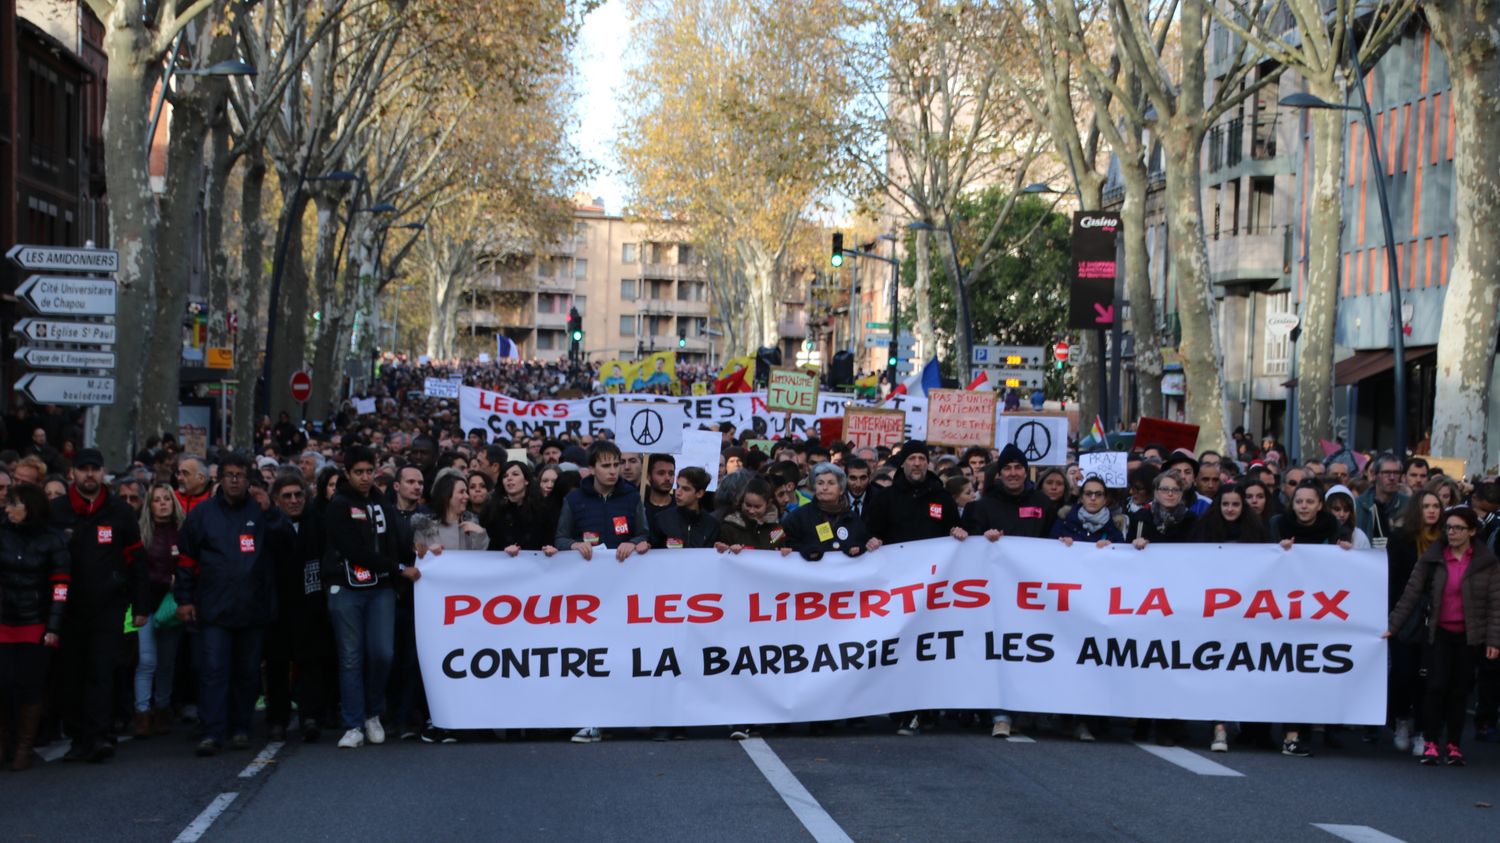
x=1189 y=760
x=1357 y=833
x=262 y=760
x=1020 y=739
x=199 y=826
x=818 y=823
x=55 y=751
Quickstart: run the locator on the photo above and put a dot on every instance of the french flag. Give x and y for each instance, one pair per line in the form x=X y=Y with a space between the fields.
x=931 y=377
x=506 y=349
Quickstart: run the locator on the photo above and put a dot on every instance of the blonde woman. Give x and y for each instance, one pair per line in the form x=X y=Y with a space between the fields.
x=161 y=518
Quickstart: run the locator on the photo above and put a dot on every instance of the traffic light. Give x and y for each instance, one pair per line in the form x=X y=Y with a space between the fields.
x=837 y=258
x=682 y=337
x=575 y=325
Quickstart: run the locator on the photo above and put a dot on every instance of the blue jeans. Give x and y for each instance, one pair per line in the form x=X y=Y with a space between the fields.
x=228 y=679
x=364 y=627
x=157 y=664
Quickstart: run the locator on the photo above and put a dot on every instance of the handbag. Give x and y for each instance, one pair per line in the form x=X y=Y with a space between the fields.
x=166 y=613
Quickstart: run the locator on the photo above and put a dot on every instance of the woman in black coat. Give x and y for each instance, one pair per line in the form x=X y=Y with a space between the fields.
x=826 y=524
x=1167 y=519
x=33 y=595
x=516 y=517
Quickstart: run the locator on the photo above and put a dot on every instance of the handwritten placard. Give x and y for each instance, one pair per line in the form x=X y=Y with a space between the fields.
x=960 y=418
x=1108 y=466
x=867 y=427
x=792 y=391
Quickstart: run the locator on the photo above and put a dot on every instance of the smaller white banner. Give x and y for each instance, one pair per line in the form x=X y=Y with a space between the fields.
x=646 y=428
x=1042 y=439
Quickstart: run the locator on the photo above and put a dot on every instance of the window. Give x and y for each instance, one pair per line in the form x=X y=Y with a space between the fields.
x=547 y=340
x=685 y=256
x=1278 y=345
x=658 y=289
x=690 y=291
x=627 y=326
x=544 y=268
x=627 y=289
x=582 y=304
x=1263 y=192
x=628 y=253
x=580 y=268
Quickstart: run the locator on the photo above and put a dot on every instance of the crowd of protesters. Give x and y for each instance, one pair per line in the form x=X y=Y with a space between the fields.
x=184 y=590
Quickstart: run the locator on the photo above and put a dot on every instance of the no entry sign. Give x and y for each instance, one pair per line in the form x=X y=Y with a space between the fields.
x=301 y=387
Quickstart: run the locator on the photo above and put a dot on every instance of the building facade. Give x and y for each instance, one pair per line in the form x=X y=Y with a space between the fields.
x=1256 y=165
x=638 y=288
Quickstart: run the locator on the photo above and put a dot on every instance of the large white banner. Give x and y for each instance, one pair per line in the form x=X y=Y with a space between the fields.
x=503 y=415
x=693 y=637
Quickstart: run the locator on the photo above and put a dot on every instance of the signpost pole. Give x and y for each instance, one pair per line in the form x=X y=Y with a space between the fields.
x=1114 y=405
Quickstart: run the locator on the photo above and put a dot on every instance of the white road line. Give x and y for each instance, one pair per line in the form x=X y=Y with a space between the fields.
x=52 y=752
x=1189 y=760
x=818 y=823
x=1357 y=833
x=262 y=760
x=199 y=826
x=1020 y=739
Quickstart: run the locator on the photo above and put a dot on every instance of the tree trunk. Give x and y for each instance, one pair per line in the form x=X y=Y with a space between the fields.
x=963 y=349
x=133 y=219
x=1137 y=271
x=921 y=294
x=180 y=205
x=219 y=306
x=1466 y=31
x=247 y=345
x=1201 y=355
x=1324 y=254
x=291 y=307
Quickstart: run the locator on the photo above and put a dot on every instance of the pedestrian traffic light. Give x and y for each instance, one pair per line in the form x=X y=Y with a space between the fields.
x=891 y=362
x=575 y=325
x=682 y=337
x=837 y=258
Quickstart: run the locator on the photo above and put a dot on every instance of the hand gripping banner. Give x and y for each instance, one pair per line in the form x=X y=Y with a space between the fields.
x=695 y=637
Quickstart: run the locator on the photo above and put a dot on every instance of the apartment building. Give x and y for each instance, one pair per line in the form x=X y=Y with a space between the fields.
x=638 y=288
x=1256 y=169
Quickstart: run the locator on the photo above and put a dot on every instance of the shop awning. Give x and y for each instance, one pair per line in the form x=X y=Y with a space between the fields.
x=1366 y=364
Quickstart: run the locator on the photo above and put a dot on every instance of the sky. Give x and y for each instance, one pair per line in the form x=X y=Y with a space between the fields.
x=601 y=51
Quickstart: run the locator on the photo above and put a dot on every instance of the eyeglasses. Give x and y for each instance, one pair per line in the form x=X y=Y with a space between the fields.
x=1095 y=493
x=291 y=496
x=1455 y=528
x=1171 y=490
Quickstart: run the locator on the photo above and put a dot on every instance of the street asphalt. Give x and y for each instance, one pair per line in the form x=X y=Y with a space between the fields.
x=863 y=784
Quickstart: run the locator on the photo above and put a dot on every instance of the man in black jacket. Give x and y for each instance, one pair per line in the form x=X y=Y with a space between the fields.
x=1010 y=505
x=916 y=506
x=104 y=540
x=226 y=583
x=359 y=562
x=302 y=636
x=686 y=524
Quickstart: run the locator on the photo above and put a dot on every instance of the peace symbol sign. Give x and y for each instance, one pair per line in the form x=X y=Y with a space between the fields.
x=646 y=427
x=1030 y=433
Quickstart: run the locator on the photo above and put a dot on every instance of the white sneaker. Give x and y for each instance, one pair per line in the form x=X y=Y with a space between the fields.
x=351 y=739
x=1418 y=744
x=374 y=732
x=1403 y=736
x=1000 y=729
x=589 y=734
x=1081 y=732
x=1221 y=740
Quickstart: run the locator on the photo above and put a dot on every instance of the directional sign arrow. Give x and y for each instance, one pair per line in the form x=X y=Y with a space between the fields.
x=62 y=358
x=67 y=389
x=63 y=259
x=84 y=333
x=1104 y=314
x=51 y=295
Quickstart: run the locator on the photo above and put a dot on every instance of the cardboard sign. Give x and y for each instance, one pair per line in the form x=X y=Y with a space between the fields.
x=868 y=427
x=1108 y=466
x=1172 y=435
x=762 y=445
x=364 y=406
x=1043 y=439
x=440 y=388
x=1451 y=466
x=792 y=391
x=960 y=418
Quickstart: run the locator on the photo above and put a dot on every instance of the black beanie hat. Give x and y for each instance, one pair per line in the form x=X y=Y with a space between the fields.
x=1009 y=454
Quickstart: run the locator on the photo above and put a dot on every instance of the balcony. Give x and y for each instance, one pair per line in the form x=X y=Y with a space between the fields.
x=664 y=307
x=690 y=308
x=673 y=271
x=1249 y=256
x=552 y=320
x=508 y=283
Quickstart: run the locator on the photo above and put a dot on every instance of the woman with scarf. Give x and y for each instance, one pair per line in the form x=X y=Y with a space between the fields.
x=1166 y=520
x=754 y=526
x=1306 y=522
x=515 y=516
x=1090 y=520
x=1421 y=528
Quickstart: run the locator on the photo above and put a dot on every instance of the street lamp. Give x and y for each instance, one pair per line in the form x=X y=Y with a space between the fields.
x=1309 y=101
x=223 y=69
